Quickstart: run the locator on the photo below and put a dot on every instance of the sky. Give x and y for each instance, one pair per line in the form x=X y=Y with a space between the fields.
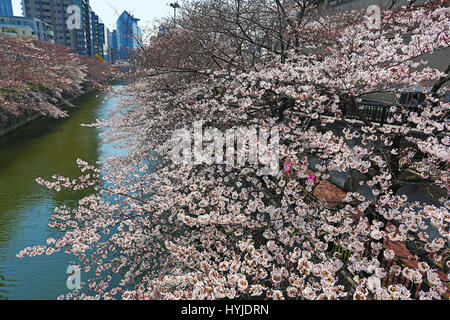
x=109 y=10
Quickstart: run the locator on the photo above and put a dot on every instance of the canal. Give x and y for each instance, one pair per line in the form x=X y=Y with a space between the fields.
x=41 y=149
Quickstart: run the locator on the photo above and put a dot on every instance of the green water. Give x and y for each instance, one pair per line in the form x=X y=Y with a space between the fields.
x=41 y=149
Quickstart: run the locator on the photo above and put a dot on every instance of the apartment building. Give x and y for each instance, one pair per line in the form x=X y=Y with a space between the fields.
x=98 y=36
x=26 y=27
x=56 y=13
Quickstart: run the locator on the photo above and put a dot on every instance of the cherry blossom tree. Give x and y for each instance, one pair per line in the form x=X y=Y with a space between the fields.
x=154 y=228
x=36 y=76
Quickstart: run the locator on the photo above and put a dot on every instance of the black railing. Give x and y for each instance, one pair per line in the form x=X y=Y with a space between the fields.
x=373 y=111
x=379 y=111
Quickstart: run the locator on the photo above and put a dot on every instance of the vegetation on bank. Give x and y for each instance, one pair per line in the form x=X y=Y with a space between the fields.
x=39 y=77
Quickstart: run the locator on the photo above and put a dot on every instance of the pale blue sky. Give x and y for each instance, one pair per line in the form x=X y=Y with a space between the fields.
x=108 y=10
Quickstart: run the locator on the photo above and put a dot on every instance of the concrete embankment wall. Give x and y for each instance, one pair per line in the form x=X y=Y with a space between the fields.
x=10 y=123
x=15 y=122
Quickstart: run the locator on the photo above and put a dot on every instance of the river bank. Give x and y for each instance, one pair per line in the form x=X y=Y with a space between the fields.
x=12 y=123
x=15 y=123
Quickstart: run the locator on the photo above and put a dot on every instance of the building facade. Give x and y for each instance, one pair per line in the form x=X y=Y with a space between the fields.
x=108 y=52
x=14 y=31
x=26 y=27
x=6 y=8
x=129 y=35
x=114 y=44
x=57 y=14
x=98 y=36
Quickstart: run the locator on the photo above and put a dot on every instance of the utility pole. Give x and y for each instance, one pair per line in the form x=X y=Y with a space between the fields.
x=175 y=6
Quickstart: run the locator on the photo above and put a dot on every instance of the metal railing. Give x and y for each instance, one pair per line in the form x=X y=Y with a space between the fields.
x=373 y=111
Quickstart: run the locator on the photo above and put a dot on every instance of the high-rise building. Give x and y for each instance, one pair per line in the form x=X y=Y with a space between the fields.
x=26 y=27
x=98 y=36
x=6 y=8
x=108 y=45
x=57 y=13
x=114 y=44
x=129 y=34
